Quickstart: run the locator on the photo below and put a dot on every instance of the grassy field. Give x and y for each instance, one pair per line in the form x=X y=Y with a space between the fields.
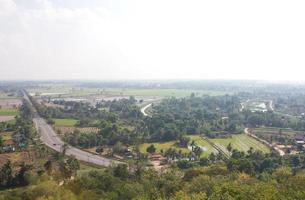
x=69 y=91
x=172 y=144
x=8 y=111
x=85 y=168
x=159 y=92
x=203 y=144
x=164 y=146
x=241 y=142
x=65 y=122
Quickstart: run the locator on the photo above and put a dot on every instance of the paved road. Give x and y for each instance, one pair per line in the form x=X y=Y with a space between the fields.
x=144 y=108
x=52 y=140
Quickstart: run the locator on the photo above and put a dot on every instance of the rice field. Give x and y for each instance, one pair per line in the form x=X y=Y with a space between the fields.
x=65 y=122
x=163 y=146
x=241 y=142
x=8 y=112
x=70 y=91
x=203 y=144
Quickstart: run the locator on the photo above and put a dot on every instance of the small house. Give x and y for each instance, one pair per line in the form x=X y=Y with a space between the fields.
x=8 y=145
x=300 y=139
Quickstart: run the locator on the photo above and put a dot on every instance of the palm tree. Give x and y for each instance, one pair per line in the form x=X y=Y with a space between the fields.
x=193 y=144
x=64 y=148
x=198 y=152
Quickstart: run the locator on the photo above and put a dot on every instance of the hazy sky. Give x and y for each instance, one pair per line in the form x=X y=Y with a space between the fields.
x=166 y=39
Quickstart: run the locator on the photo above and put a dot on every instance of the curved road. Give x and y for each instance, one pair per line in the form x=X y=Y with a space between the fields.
x=52 y=140
x=144 y=108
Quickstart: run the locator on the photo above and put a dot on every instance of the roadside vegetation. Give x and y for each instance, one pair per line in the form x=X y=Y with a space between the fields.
x=65 y=122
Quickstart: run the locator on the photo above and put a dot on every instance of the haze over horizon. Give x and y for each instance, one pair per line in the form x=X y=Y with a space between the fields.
x=111 y=40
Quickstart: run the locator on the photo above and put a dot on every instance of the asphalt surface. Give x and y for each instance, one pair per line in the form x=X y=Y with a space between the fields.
x=49 y=137
x=144 y=109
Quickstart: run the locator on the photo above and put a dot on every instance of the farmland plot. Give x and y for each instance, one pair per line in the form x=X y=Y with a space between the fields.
x=6 y=118
x=241 y=142
x=67 y=130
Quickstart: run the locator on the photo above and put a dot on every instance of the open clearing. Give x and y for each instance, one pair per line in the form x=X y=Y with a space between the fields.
x=67 y=130
x=159 y=92
x=6 y=118
x=255 y=105
x=241 y=142
x=164 y=146
x=204 y=145
x=207 y=148
x=65 y=122
x=10 y=103
x=8 y=112
x=70 y=91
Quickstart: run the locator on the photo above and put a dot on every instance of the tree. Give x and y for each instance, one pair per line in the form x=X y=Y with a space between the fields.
x=193 y=143
x=118 y=148
x=204 y=161
x=64 y=148
x=69 y=167
x=151 y=149
x=183 y=140
x=48 y=166
x=229 y=147
x=6 y=175
x=121 y=171
x=1 y=142
x=212 y=157
x=99 y=150
x=21 y=179
x=198 y=151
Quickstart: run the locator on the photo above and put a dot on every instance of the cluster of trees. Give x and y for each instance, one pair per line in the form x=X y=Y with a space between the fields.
x=118 y=120
x=194 y=115
x=84 y=140
x=10 y=179
x=211 y=182
x=22 y=128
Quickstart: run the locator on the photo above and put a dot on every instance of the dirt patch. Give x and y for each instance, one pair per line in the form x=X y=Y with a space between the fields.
x=6 y=118
x=10 y=103
x=16 y=158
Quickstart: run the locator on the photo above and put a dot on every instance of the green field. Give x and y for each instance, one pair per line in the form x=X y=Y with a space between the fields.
x=159 y=92
x=164 y=146
x=6 y=135
x=241 y=142
x=65 y=122
x=70 y=91
x=172 y=144
x=203 y=144
x=8 y=111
